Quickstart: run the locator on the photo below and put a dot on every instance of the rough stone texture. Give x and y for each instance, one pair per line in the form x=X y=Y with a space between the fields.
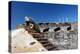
x=21 y=42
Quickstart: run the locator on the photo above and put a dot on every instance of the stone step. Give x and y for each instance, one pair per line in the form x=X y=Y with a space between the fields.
x=45 y=45
x=50 y=48
x=36 y=36
x=41 y=39
x=43 y=42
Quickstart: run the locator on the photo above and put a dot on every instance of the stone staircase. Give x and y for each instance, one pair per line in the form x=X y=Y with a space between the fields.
x=44 y=41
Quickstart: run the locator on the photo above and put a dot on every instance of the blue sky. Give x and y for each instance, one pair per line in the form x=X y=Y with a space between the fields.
x=42 y=12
